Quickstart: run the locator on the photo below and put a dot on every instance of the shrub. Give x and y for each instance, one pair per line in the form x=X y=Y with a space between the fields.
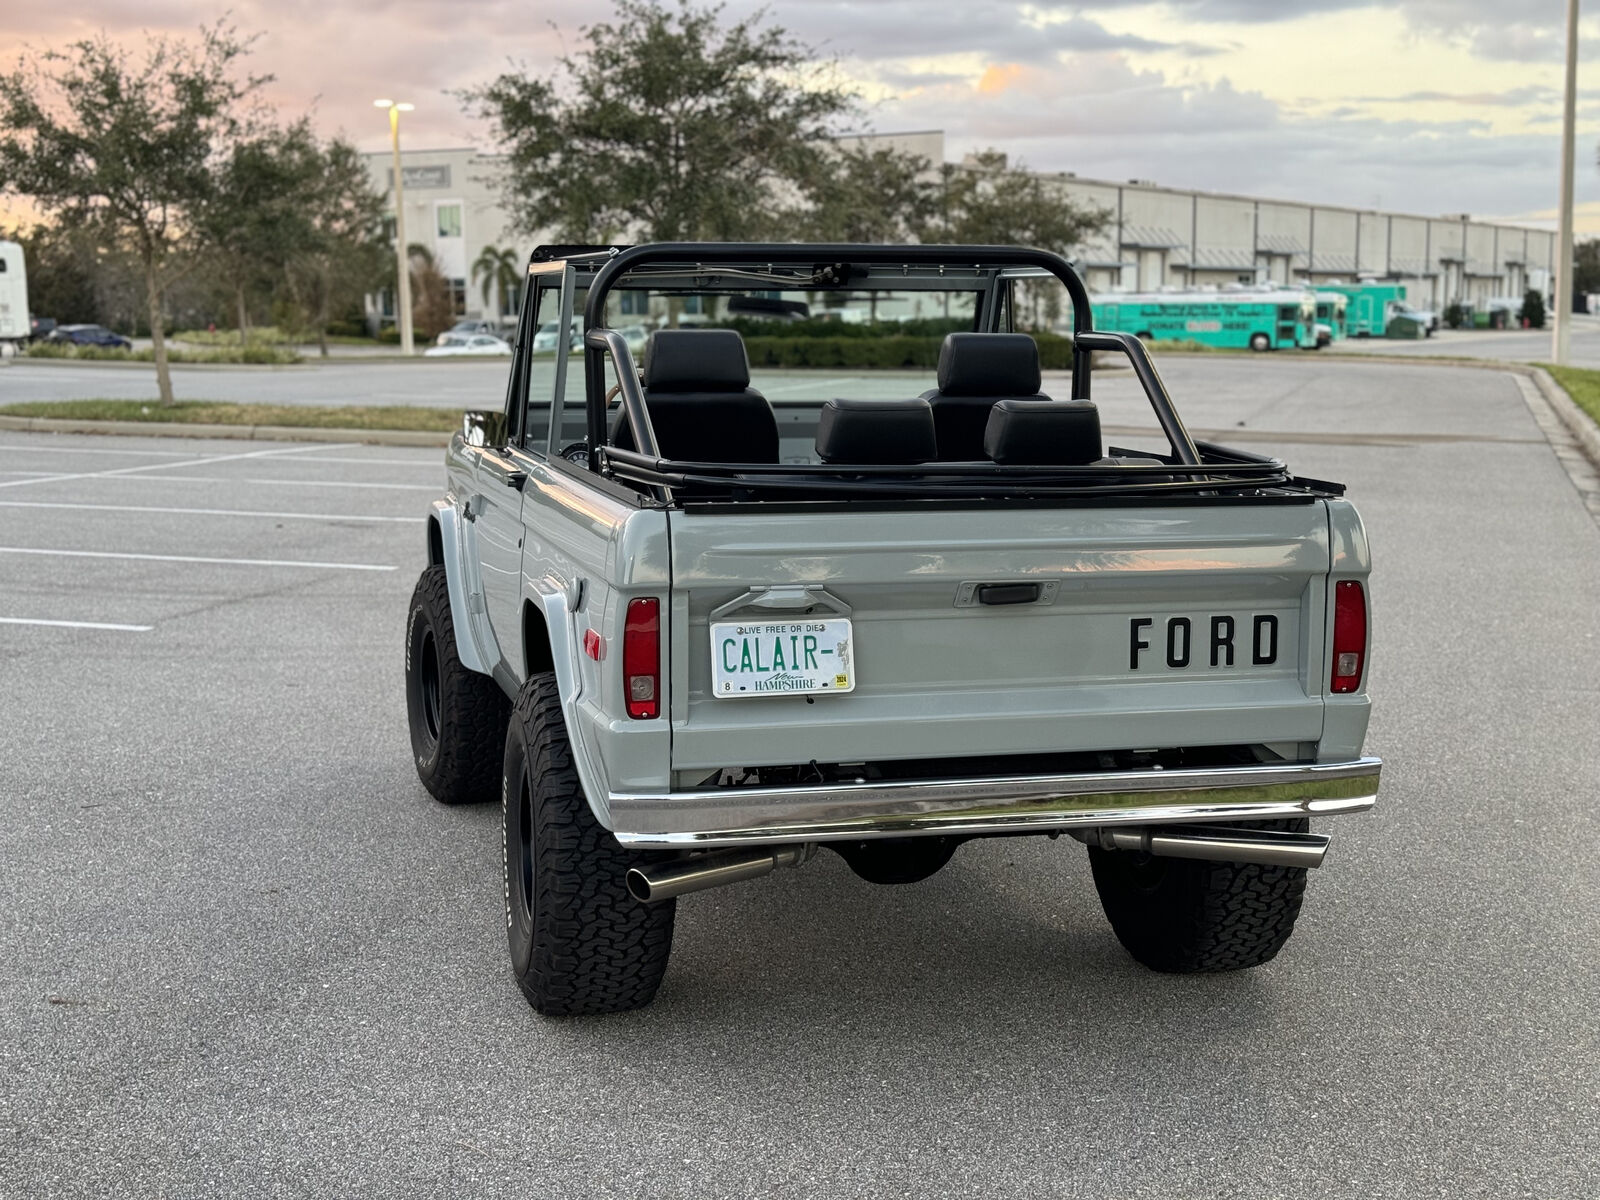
x=1533 y=309
x=1454 y=315
x=350 y=328
x=389 y=336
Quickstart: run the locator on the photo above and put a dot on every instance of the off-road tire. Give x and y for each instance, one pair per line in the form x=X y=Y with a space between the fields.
x=457 y=717
x=580 y=943
x=1185 y=916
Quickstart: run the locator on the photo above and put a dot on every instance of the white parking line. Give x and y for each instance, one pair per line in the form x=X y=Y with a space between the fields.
x=97 y=450
x=430 y=461
x=76 y=624
x=435 y=488
x=194 y=558
x=191 y=462
x=204 y=512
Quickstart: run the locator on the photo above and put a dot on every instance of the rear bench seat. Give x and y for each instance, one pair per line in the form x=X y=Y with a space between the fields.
x=975 y=371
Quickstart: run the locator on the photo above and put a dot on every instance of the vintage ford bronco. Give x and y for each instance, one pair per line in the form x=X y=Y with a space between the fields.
x=690 y=630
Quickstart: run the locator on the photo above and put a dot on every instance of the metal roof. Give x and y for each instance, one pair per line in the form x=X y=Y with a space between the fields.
x=1152 y=237
x=1231 y=258
x=1280 y=243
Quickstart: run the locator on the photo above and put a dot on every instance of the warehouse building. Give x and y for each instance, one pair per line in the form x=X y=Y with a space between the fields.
x=1155 y=237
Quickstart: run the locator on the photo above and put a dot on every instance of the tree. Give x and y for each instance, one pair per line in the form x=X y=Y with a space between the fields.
x=670 y=126
x=125 y=149
x=341 y=252
x=496 y=271
x=253 y=214
x=431 y=310
x=61 y=281
x=863 y=195
x=987 y=201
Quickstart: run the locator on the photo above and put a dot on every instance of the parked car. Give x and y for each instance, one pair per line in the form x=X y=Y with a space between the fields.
x=692 y=642
x=636 y=336
x=89 y=335
x=468 y=327
x=40 y=328
x=453 y=344
x=549 y=334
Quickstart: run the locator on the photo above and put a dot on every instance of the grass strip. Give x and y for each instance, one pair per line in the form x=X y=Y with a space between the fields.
x=1582 y=384
x=212 y=412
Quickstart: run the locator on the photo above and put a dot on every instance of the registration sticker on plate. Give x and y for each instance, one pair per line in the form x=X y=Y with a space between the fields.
x=772 y=658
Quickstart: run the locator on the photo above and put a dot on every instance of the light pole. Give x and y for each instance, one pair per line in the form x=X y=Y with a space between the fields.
x=1561 y=339
x=402 y=265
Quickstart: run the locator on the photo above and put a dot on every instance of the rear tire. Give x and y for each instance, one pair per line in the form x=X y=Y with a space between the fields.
x=580 y=943
x=1185 y=916
x=1260 y=342
x=457 y=717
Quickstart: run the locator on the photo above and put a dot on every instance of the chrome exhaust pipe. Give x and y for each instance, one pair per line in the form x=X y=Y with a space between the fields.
x=663 y=881
x=1270 y=847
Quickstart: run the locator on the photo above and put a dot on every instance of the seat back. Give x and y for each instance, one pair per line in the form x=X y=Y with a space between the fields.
x=975 y=370
x=702 y=407
x=876 y=431
x=1056 y=433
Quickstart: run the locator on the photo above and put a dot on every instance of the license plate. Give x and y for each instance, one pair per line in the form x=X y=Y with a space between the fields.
x=778 y=658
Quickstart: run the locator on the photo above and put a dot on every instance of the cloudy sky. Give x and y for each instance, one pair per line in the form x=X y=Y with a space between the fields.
x=1428 y=106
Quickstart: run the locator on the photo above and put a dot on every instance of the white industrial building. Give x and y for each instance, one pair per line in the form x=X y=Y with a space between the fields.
x=1156 y=237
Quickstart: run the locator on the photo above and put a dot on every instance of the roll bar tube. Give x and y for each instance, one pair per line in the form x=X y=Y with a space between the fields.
x=598 y=341
x=1171 y=424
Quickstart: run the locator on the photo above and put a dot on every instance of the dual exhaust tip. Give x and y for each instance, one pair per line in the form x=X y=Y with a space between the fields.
x=664 y=881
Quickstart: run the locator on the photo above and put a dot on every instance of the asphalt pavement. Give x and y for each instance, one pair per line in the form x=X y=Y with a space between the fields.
x=246 y=954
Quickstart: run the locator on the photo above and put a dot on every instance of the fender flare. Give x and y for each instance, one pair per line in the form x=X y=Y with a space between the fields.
x=553 y=599
x=468 y=647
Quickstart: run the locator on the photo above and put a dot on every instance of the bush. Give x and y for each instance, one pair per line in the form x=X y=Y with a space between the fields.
x=388 y=336
x=821 y=327
x=879 y=352
x=1454 y=315
x=254 y=353
x=350 y=328
x=1533 y=309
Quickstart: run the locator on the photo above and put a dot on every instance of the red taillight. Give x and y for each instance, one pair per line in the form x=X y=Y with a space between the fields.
x=641 y=658
x=1349 y=636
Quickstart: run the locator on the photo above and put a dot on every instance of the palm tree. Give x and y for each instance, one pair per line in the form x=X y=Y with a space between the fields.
x=496 y=269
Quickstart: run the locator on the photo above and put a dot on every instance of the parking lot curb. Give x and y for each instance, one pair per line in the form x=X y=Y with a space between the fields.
x=1583 y=429
x=264 y=433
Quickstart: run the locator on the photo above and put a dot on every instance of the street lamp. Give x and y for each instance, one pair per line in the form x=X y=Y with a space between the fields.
x=402 y=264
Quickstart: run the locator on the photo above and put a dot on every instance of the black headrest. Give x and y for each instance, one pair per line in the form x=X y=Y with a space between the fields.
x=989 y=364
x=696 y=360
x=876 y=431
x=1043 y=432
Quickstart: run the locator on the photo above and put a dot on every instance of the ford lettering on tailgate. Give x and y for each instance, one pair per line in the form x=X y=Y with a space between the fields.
x=1221 y=641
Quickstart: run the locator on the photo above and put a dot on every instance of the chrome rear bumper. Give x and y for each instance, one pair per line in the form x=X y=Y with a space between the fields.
x=1006 y=804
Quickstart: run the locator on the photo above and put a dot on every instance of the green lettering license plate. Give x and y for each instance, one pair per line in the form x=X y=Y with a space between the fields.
x=776 y=658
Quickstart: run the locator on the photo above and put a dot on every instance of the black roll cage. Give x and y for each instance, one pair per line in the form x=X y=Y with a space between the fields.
x=830 y=264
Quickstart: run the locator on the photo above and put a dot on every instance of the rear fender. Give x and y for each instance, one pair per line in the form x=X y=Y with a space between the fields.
x=447 y=539
x=555 y=600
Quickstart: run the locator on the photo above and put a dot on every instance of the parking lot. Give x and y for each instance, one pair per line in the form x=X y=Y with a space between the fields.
x=245 y=952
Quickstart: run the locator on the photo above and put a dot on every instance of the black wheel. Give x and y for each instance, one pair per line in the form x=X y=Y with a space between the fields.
x=1260 y=342
x=457 y=716
x=1185 y=916
x=580 y=943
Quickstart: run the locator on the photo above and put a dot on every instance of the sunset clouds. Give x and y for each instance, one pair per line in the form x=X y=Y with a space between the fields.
x=1441 y=105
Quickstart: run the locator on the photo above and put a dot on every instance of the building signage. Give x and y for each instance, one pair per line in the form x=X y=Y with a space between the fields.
x=423 y=177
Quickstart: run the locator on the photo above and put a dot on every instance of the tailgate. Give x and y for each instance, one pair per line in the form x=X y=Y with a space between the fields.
x=1134 y=628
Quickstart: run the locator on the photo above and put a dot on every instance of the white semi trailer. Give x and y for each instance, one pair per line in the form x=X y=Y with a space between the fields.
x=14 y=326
